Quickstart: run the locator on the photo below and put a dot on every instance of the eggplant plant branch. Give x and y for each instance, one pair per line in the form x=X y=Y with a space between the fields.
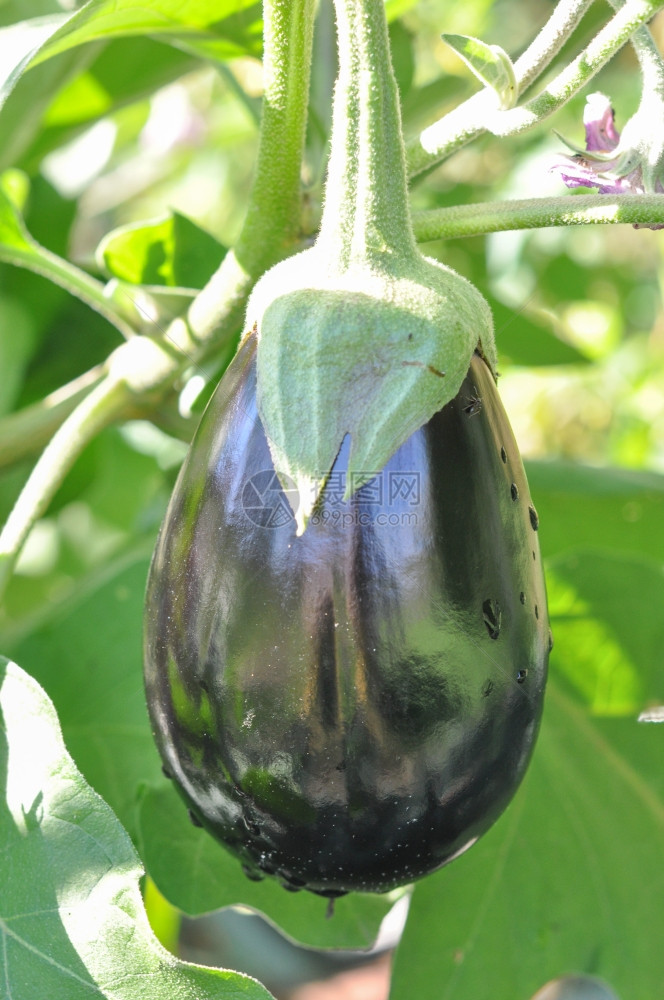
x=537 y=213
x=145 y=368
x=479 y=114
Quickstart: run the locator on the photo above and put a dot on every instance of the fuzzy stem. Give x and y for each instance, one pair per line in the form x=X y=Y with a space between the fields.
x=366 y=204
x=272 y=223
x=271 y=227
x=575 y=76
x=549 y=41
x=650 y=61
x=537 y=213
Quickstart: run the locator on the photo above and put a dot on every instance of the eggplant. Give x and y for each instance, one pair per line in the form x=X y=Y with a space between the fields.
x=350 y=708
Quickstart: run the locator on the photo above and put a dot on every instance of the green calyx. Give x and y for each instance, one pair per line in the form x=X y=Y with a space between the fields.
x=361 y=334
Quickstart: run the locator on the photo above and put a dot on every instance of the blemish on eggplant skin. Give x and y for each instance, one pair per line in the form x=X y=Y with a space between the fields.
x=514 y=490
x=492 y=617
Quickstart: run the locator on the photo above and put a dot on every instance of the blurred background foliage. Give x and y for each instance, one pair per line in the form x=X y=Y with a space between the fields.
x=122 y=131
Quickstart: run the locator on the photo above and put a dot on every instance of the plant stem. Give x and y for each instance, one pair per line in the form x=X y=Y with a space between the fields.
x=549 y=41
x=272 y=224
x=478 y=114
x=101 y=407
x=582 y=69
x=271 y=228
x=537 y=213
x=366 y=203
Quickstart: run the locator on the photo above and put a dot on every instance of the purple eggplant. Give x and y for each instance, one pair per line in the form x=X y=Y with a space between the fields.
x=350 y=708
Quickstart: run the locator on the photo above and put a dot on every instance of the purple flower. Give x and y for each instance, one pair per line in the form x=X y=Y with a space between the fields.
x=608 y=163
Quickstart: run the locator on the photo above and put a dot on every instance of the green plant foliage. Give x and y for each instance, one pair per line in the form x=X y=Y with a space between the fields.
x=77 y=926
x=558 y=885
x=172 y=251
x=225 y=29
x=113 y=75
x=606 y=615
x=599 y=508
x=198 y=875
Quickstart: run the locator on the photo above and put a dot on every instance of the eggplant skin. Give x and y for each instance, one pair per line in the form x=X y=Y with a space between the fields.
x=352 y=708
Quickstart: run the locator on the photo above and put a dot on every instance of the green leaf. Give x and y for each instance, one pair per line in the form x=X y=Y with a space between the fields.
x=88 y=658
x=197 y=875
x=491 y=65
x=584 y=507
x=61 y=103
x=606 y=617
x=171 y=251
x=72 y=921
x=569 y=879
x=222 y=28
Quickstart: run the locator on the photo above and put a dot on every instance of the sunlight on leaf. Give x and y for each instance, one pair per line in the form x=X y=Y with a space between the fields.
x=171 y=251
x=227 y=27
x=557 y=884
x=72 y=920
x=605 y=612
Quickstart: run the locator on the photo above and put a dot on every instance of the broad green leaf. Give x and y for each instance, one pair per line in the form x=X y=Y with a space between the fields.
x=171 y=251
x=569 y=879
x=16 y=244
x=124 y=71
x=112 y=75
x=197 y=875
x=88 y=658
x=72 y=922
x=601 y=508
x=224 y=28
x=606 y=616
x=491 y=65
